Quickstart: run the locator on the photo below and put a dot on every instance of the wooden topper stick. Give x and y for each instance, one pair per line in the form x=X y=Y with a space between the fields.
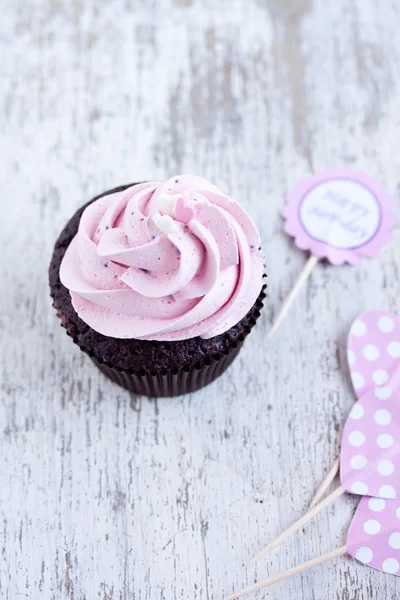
x=317 y=216
x=299 y=569
x=326 y=483
x=302 y=278
x=302 y=521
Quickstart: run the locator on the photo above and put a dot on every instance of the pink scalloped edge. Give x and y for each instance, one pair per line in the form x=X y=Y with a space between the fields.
x=304 y=241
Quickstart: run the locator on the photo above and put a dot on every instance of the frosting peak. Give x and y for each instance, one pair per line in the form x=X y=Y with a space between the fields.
x=164 y=261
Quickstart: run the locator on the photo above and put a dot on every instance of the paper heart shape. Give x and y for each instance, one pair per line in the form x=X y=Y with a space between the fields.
x=374 y=534
x=373 y=350
x=183 y=212
x=370 y=453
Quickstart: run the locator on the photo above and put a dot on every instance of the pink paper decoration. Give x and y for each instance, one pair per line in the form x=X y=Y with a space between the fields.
x=370 y=454
x=374 y=534
x=341 y=215
x=373 y=350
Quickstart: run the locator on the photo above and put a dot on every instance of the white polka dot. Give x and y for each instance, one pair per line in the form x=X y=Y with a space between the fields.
x=358 y=462
x=398 y=513
x=359 y=487
x=394 y=541
x=391 y=565
x=376 y=504
x=380 y=377
x=383 y=393
x=386 y=468
x=371 y=352
x=383 y=416
x=386 y=324
x=387 y=491
x=385 y=440
x=351 y=357
x=359 y=329
x=394 y=349
x=364 y=555
x=372 y=527
x=358 y=380
x=357 y=411
x=357 y=438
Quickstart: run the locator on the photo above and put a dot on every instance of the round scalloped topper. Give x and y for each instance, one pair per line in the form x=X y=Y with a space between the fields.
x=341 y=215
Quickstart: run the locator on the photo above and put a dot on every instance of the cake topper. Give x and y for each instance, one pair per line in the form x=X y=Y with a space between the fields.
x=373 y=354
x=370 y=454
x=339 y=215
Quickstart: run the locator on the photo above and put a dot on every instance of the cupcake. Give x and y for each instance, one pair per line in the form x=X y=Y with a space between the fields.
x=159 y=283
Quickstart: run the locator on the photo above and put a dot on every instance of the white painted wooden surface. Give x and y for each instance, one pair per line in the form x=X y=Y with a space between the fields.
x=108 y=496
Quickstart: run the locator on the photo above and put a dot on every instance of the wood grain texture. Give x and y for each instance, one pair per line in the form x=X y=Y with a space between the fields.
x=107 y=496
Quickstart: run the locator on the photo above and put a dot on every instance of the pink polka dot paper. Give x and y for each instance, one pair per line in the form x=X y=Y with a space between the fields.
x=373 y=351
x=370 y=455
x=374 y=535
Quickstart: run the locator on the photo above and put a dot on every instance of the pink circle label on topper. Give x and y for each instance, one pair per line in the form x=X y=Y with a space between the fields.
x=340 y=215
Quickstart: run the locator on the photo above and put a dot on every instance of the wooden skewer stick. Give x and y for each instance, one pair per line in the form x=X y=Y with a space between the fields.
x=302 y=278
x=326 y=483
x=302 y=521
x=299 y=569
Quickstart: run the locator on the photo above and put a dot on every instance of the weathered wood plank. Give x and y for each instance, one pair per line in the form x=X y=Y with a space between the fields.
x=103 y=495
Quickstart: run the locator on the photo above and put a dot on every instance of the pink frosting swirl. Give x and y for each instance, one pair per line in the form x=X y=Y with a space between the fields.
x=164 y=261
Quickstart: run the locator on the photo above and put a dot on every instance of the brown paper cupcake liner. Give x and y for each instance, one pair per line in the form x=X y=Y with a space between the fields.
x=176 y=382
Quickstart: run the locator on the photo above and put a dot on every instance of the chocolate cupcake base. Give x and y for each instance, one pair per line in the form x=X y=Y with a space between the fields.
x=147 y=367
x=170 y=383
